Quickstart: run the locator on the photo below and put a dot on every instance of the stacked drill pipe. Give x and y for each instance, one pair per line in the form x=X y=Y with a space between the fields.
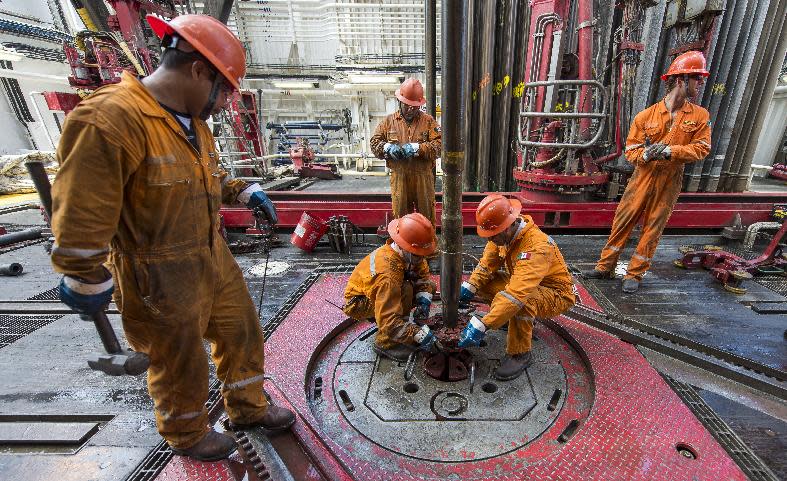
x=455 y=57
x=500 y=171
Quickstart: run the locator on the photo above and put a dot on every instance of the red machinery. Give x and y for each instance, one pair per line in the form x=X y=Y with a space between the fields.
x=731 y=270
x=577 y=99
x=303 y=157
x=779 y=171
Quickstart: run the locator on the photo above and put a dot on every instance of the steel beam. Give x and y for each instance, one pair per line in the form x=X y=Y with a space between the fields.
x=218 y=9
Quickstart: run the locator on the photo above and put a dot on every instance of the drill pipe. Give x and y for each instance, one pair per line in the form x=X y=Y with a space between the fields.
x=455 y=59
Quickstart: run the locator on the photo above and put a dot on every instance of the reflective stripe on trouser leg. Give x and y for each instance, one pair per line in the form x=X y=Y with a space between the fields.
x=627 y=215
x=657 y=212
x=542 y=302
x=398 y=330
x=237 y=342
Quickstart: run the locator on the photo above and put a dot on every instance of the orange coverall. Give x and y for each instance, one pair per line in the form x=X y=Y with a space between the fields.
x=654 y=187
x=412 y=180
x=131 y=186
x=377 y=288
x=535 y=283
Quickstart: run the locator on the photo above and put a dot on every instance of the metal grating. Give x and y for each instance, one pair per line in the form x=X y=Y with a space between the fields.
x=16 y=326
x=158 y=458
x=52 y=294
x=777 y=284
x=752 y=465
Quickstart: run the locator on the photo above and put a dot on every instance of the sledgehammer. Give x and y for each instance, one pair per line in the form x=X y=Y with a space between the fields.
x=117 y=361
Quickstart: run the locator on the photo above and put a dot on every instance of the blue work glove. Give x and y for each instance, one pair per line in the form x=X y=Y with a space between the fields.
x=394 y=151
x=426 y=340
x=422 y=306
x=467 y=292
x=410 y=149
x=86 y=298
x=472 y=333
x=263 y=202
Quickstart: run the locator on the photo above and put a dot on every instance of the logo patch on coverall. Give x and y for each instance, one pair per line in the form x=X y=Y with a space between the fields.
x=523 y=256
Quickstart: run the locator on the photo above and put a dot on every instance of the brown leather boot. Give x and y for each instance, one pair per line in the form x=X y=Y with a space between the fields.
x=212 y=447
x=275 y=420
x=512 y=366
x=399 y=352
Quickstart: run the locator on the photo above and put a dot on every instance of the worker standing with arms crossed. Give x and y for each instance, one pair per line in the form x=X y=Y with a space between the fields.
x=410 y=141
x=140 y=181
x=663 y=138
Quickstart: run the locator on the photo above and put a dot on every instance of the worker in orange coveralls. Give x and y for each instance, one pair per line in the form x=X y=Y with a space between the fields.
x=663 y=138
x=535 y=283
x=410 y=141
x=140 y=183
x=392 y=280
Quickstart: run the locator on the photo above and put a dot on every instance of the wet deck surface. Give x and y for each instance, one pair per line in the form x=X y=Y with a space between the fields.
x=43 y=369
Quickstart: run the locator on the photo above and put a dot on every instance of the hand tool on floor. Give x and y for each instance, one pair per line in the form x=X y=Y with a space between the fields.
x=117 y=361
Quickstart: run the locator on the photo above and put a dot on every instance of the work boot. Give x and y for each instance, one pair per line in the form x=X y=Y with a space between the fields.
x=212 y=447
x=630 y=285
x=399 y=352
x=597 y=274
x=513 y=365
x=276 y=419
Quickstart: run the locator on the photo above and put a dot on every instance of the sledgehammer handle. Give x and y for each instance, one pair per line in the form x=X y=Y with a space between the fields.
x=41 y=182
x=38 y=174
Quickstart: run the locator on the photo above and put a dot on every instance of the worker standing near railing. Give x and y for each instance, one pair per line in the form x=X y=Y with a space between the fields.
x=662 y=139
x=410 y=141
x=140 y=182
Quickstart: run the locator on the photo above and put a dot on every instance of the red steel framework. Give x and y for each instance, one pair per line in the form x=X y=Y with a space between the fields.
x=693 y=210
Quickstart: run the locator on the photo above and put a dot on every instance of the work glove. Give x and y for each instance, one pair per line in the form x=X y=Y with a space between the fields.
x=85 y=297
x=259 y=200
x=654 y=151
x=393 y=151
x=472 y=333
x=422 y=306
x=426 y=340
x=467 y=292
x=410 y=149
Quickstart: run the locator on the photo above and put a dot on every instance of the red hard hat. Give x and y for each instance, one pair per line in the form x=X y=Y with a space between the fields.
x=691 y=63
x=495 y=214
x=209 y=37
x=411 y=92
x=414 y=233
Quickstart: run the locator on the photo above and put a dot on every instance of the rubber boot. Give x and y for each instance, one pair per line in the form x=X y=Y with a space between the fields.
x=212 y=447
x=630 y=285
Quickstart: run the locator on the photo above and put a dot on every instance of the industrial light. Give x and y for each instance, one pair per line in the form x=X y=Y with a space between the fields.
x=375 y=79
x=296 y=84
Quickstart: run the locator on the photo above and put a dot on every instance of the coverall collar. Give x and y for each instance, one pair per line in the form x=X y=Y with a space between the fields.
x=686 y=108
x=147 y=103
x=398 y=116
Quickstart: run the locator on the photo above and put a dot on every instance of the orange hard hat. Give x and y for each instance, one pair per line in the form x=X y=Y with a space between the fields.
x=691 y=63
x=211 y=38
x=495 y=214
x=414 y=233
x=411 y=92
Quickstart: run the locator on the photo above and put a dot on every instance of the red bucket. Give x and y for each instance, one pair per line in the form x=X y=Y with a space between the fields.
x=308 y=232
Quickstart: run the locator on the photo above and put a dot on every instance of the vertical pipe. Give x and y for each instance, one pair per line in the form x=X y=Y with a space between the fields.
x=521 y=35
x=773 y=41
x=502 y=99
x=455 y=57
x=468 y=177
x=585 y=54
x=430 y=32
x=484 y=91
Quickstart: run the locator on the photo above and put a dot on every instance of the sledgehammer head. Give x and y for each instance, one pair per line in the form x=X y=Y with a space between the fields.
x=124 y=363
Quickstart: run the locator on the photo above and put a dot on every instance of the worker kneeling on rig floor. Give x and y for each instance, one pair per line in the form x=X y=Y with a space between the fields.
x=521 y=274
x=390 y=281
x=140 y=183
